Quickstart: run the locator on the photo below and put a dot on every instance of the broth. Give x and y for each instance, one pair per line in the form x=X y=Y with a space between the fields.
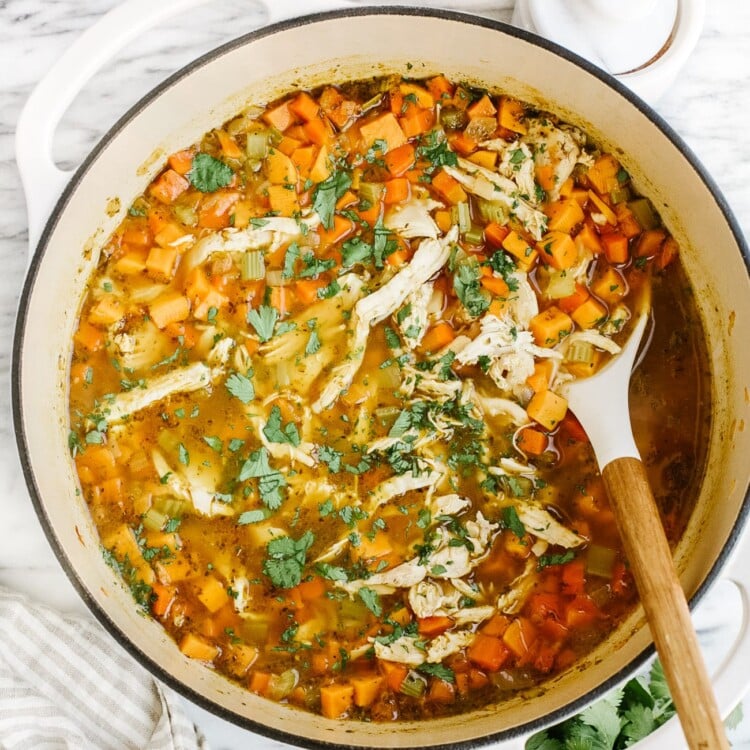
x=317 y=396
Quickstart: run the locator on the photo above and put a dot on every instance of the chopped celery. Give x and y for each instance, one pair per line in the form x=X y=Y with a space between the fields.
x=372 y=103
x=371 y=191
x=620 y=194
x=186 y=214
x=475 y=235
x=452 y=118
x=282 y=684
x=491 y=211
x=153 y=520
x=644 y=213
x=252 y=267
x=170 y=507
x=255 y=628
x=580 y=351
x=257 y=145
x=461 y=215
x=600 y=561
x=413 y=685
x=560 y=284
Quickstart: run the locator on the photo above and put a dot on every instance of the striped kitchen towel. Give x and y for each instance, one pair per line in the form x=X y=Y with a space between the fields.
x=65 y=685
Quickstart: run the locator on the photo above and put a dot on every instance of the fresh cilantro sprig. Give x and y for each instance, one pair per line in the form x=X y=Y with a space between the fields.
x=209 y=174
x=468 y=289
x=327 y=193
x=270 y=481
x=286 y=558
x=276 y=433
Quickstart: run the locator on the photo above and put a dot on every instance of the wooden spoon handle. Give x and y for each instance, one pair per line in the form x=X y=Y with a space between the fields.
x=664 y=602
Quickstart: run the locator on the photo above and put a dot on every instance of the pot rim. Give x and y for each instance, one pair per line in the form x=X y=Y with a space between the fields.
x=160 y=672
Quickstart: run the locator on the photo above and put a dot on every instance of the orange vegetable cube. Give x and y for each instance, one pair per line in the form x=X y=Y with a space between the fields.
x=550 y=326
x=603 y=208
x=421 y=96
x=305 y=107
x=280 y=117
x=169 y=308
x=211 y=592
x=616 y=247
x=396 y=190
x=609 y=286
x=590 y=314
x=438 y=336
x=589 y=238
x=547 y=409
x=283 y=199
x=385 y=127
x=106 y=311
x=482 y=108
x=603 y=174
x=539 y=380
x=517 y=245
x=649 y=243
x=440 y=87
x=448 y=188
x=228 y=145
x=160 y=263
x=181 y=161
x=279 y=168
x=197 y=647
x=532 y=442
x=366 y=689
x=519 y=636
x=564 y=215
x=558 y=250
x=511 y=114
x=321 y=168
x=168 y=186
x=486 y=159
x=400 y=159
x=417 y=122
x=488 y=652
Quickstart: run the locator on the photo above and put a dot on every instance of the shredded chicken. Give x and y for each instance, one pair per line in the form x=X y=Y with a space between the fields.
x=511 y=602
x=412 y=318
x=541 y=524
x=412 y=219
x=430 y=257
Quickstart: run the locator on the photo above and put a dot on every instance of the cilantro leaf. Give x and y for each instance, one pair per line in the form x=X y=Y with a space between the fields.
x=354 y=251
x=402 y=424
x=183 y=455
x=255 y=466
x=213 y=442
x=604 y=718
x=331 y=572
x=329 y=291
x=270 y=481
x=382 y=246
x=638 y=723
x=313 y=344
x=545 y=561
x=513 y=522
x=290 y=257
x=327 y=193
x=371 y=600
x=436 y=150
x=252 y=516
x=263 y=320
x=331 y=457
x=501 y=263
x=209 y=174
x=286 y=558
x=466 y=284
x=392 y=339
x=241 y=387
x=276 y=434
x=315 y=266
x=437 y=670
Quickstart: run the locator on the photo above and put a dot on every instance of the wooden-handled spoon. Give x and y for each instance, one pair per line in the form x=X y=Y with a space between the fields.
x=601 y=405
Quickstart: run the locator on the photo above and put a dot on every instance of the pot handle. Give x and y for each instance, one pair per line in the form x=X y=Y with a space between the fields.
x=43 y=181
x=730 y=680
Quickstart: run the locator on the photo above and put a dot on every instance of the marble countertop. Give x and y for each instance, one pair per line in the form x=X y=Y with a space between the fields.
x=708 y=105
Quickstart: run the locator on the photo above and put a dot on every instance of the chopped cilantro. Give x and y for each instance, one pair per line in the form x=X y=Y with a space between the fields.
x=274 y=431
x=466 y=284
x=501 y=263
x=435 y=149
x=331 y=572
x=512 y=522
x=252 y=516
x=286 y=559
x=213 y=442
x=183 y=455
x=331 y=457
x=329 y=291
x=290 y=257
x=235 y=444
x=392 y=339
x=371 y=600
x=263 y=320
x=437 y=670
x=327 y=193
x=354 y=251
x=270 y=481
x=545 y=561
x=209 y=174
x=313 y=344
x=241 y=387
x=315 y=266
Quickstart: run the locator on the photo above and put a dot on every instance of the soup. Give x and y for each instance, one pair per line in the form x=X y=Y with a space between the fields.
x=317 y=396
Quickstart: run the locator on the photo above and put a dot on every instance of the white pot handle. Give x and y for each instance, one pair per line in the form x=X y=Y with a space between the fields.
x=43 y=181
x=730 y=680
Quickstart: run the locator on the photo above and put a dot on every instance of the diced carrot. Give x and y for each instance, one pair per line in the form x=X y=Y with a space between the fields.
x=440 y=87
x=312 y=590
x=303 y=158
x=545 y=176
x=547 y=409
x=342 y=228
x=280 y=117
x=228 y=145
x=539 y=380
x=510 y=115
x=288 y=145
x=279 y=168
x=575 y=300
x=100 y=460
x=430 y=627
x=182 y=161
x=161 y=599
x=384 y=127
x=669 y=251
x=615 y=247
x=89 y=337
x=337 y=109
x=438 y=336
x=518 y=246
x=216 y=208
x=495 y=285
x=589 y=239
x=626 y=221
x=198 y=648
x=398 y=258
x=160 y=263
x=603 y=174
x=306 y=290
x=589 y=314
x=319 y=131
x=609 y=285
x=441 y=692
x=211 y=592
x=532 y=442
x=305 y=107
x=550 y=326
x=400 y=159
x=581 y=612
x=168 y=186
x=488 y=652
x=259 y=682
x=106 y=311
x=421 y=96
x=417 y=122
x=482 y=108
x=137 y=235
x=283 y=200
x=573 y=429
x=282 y=298
x=394 y=674
x=336 y=700
x=649 y=243
x=448 y=188
x=496 y=625
x=366 y=689
x=462 y=143
x=558 y=250
x=495 y=233
x=519 y=636
x=396 y=191
x=564 y=215
x=574 y=577
x=168 y=308
x=443 y=220
x=486 y=159
x=347 y=199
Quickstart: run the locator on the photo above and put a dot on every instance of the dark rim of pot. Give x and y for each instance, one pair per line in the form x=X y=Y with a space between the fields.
x=156 y=669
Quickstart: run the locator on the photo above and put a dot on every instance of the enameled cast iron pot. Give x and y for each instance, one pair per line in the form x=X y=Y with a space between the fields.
x=334 y=47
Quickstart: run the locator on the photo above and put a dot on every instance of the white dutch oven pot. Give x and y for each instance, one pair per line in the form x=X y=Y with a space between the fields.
x=355 y=43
